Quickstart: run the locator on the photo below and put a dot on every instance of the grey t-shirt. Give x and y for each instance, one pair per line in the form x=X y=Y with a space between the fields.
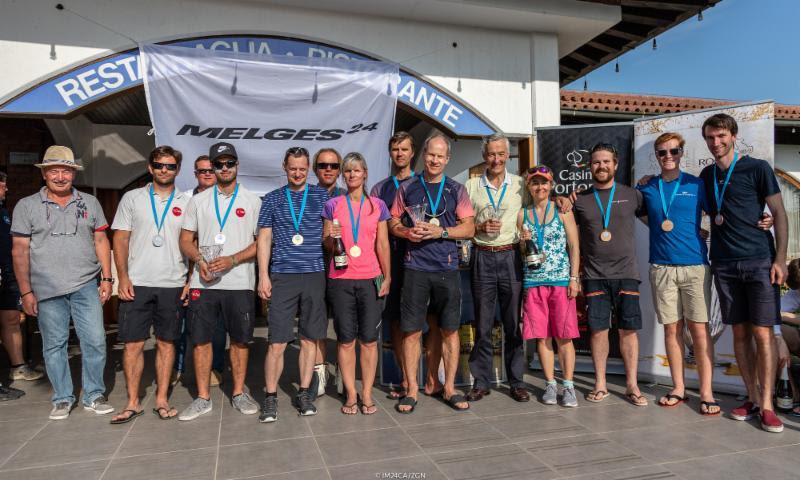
x=615 y=259
x=62 y=252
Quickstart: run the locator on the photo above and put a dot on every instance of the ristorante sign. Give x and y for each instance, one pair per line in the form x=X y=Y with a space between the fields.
x=94 y=81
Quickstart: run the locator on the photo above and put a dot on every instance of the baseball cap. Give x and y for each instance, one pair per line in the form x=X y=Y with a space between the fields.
x=222 y=149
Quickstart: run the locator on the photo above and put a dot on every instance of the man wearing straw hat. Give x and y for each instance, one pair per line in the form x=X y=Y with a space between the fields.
x=60 y=247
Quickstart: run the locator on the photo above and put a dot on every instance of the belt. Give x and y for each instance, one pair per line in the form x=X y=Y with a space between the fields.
x=499 y=248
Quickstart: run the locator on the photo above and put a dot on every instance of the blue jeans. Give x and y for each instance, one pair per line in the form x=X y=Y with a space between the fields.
x=84 y=307
x=218 y=342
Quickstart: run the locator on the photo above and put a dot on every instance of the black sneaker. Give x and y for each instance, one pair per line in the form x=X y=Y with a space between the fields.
x=303 y=403
x=9 y=393
x=269 y=409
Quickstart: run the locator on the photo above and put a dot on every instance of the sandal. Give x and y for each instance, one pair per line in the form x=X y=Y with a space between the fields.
x=664 y=401
x=708 y=406
x=397 y=393
x=454 y=400
x=406 y=402
x=368 y=409
x=133 y=414
x=351 y=409
x=638 y=400
x=596 y=396
x=166 y=415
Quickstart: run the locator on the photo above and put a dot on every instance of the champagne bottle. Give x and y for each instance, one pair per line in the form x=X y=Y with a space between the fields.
x=784 y=398
x=339 y=252
x=532 y=258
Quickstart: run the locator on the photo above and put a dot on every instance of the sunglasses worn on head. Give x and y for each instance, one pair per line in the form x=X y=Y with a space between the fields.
x=218 y=164
x=672 y=151
x=327 y=166
x=169 y=166
x=204 y=171
x=539 y=169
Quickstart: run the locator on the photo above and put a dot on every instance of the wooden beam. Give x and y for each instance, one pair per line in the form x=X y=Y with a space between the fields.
x=602 y=46
x=645 y=20
x=626 y=35
x=525 y=147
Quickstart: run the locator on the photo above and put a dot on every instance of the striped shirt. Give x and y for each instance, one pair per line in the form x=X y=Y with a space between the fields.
x=275 y=214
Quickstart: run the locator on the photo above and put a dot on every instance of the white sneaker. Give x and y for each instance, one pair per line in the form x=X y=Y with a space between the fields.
x=25 y=372
x=99 y=406
x=60 y=411
x=199 y=406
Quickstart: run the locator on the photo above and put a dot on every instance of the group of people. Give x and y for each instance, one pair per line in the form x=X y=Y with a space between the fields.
x=189 y=264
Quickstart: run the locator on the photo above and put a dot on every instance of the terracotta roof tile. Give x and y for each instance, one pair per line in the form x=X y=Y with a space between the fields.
x=653 y=104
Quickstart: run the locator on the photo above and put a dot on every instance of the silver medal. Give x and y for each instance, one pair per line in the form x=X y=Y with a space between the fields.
x=605 y=236
x=297 y=239
x=719 y=219
x=355 y=251
x=219 y=239
x=158 y=240
x=434 y=221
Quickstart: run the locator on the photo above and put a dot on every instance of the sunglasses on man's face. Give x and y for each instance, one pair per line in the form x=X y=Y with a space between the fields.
x=672 y=151
x=204 y=171
x=327 y=166
x=218 y=164
x=169 y=166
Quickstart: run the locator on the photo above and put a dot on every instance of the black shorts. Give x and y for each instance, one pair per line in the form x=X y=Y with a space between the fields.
x=293 y=291
x=356 y=309
x=391 y=307
x=237 y=308
x=157 y=307
x=607 y=299
x=746 y=294
x=438 y=293
x=9 y=294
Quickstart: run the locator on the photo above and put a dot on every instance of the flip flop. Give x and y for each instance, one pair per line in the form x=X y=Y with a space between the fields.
x=366 y=409
x=397 y=393
x=436 y=394
x=638 y=400
x=127 y=419
x=671 y=396
x=592 y=396
x=454 y=400
x=347 y=409
x=406 y=402
x=709 y=405
x=157 y=413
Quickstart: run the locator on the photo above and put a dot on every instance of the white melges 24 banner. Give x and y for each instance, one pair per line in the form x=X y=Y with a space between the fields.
x=265 y=104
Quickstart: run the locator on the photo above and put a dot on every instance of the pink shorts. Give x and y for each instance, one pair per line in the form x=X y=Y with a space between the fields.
x=547 y=312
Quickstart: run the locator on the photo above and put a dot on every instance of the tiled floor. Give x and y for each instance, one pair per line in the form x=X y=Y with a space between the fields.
x=497 y=439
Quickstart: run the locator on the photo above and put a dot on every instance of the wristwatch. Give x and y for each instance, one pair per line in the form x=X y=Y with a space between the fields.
x=107 y=279
x=445 y=235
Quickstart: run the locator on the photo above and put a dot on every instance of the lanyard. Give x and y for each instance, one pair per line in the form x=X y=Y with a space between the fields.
x=606 y=212
x=223 y=220
x=719 y=197
x=160 y=223
x=500 y=200
x=664 y=205
x=539 y=228
x=296 y=219
x=355 y=225
x=397 y=183
x=434 y=205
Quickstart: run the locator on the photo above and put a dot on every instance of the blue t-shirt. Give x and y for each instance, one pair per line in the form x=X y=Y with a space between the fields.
x=286 y=256
x=739 y=238
x=437 y=255
x=683 y=245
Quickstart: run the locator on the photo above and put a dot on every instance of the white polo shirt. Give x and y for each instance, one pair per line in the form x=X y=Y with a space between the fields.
x=240 y=230
x=148 y=265
x=513 y=200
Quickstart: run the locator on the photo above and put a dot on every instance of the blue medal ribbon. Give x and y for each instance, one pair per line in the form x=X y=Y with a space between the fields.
x=538 y=228
x=160 y=223
x=223 y=220
x=434 y=205
x=397 y=183
x=606 y=212
x=664 y=205
x=355 y=225
x=296 y=219
x=720 y=196
x=500 y=200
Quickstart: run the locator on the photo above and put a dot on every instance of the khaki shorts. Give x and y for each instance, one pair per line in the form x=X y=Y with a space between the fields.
x=681 y=292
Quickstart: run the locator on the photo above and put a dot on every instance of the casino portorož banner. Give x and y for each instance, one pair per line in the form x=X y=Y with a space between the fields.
x=264 y=104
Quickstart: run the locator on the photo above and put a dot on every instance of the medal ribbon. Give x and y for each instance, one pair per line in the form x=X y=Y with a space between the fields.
x=434 y=205
x=719 y=197
x=664 y=205
x=296 y=219
x=160 y=224
x=500 y=200
x=223 y=220
x=538 y=228
x=397 y=183
x=355 y=225
x=606 y=213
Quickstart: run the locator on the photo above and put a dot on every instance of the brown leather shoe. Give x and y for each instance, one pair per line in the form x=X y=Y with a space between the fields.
x=520 y=394
x=477 y=393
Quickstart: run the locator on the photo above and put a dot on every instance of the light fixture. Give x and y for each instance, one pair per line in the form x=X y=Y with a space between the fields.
x=700 y=15
x=793 y=130
x=616 y=67
x=585 y=84
x=655 y=44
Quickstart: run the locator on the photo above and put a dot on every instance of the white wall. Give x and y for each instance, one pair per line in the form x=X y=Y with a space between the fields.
x=504 y=75
x=787 y=158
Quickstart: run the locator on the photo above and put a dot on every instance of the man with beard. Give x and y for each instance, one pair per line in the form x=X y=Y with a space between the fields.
x=152 y=277
x=222 y=221
x=401 y=152
x=606 y=214
x=60 y=246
